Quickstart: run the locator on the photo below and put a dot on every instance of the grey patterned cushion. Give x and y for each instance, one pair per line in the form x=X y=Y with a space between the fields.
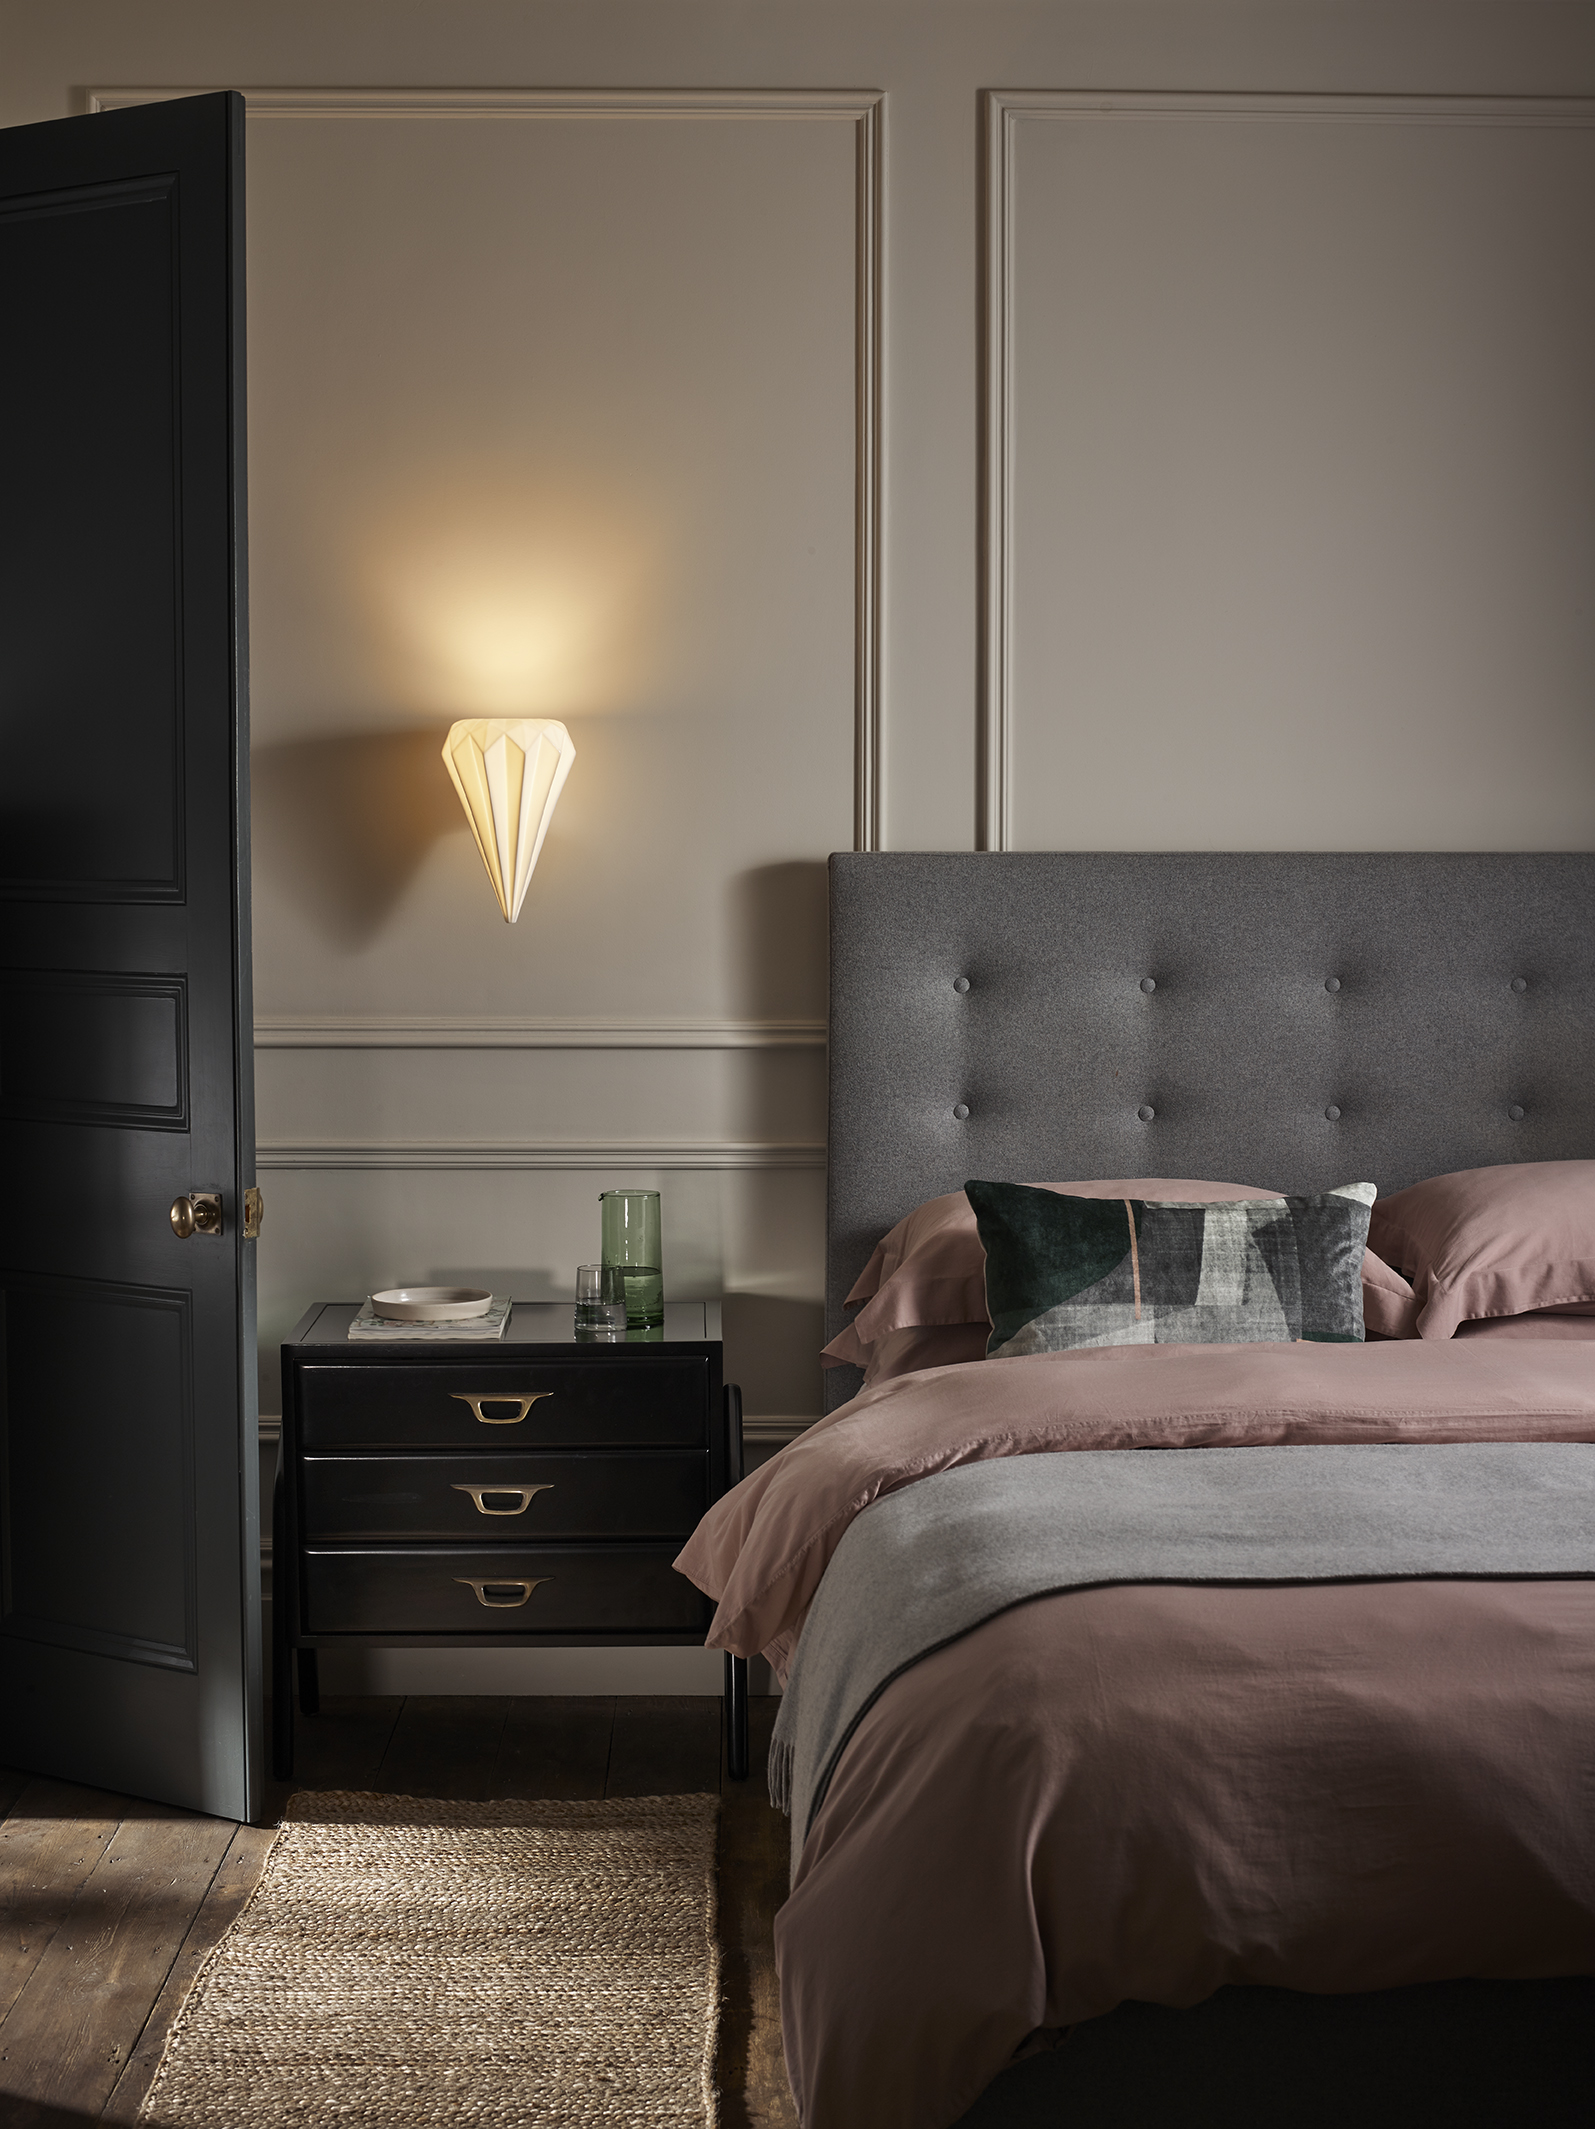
x=1064 y=1271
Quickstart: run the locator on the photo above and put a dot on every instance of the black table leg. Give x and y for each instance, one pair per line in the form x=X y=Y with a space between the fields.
x=282 y=1662
x=736 y=1666
x=309 y=1683
x=737 y=1717
x=282 y=1708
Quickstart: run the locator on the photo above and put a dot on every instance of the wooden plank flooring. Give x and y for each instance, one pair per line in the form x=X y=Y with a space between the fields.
x=109 y=1906
x=236 y=1878
x=68 y=2036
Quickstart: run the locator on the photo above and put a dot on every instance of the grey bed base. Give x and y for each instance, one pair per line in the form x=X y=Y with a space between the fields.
x=1290 y=1020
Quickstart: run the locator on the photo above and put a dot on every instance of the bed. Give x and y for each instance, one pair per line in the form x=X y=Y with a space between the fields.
x=1354 y=1757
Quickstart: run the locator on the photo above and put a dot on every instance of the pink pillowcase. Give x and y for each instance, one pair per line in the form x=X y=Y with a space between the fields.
x=1493 y=1242
x=1389 y=1306
x=931 y=1270
x=930 y=1345
x=1548 y=1323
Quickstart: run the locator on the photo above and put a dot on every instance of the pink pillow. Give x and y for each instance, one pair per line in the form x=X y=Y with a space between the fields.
x=1493 y=1241
x=1548 y=1323
x=1389 y=1306
x=931 y=1268
x=929 y=1345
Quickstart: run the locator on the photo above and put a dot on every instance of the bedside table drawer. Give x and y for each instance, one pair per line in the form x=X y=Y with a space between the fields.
x=543 y=1589
x=504 y=1499
x=498 y=1404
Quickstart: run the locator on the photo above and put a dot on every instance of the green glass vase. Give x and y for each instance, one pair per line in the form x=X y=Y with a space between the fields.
x=630 y=1223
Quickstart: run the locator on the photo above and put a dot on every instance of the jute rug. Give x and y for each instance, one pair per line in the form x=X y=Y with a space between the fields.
x=518 y=1965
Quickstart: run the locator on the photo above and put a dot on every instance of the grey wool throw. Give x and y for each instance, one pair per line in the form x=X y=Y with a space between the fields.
x=928 y=1564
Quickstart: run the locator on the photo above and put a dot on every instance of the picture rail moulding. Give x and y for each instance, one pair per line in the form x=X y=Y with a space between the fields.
x=854 y=104
x=440 y=1031
x=864 y=111
x=1004 y=113
x=629 y=1156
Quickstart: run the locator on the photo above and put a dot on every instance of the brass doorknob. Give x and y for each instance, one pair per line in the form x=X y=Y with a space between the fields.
x=199 y=1213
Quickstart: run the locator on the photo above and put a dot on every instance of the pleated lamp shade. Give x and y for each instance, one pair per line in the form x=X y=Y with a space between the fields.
x=509 y=772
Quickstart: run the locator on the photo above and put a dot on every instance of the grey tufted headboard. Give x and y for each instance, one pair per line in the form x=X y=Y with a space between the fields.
x=1295 y=1021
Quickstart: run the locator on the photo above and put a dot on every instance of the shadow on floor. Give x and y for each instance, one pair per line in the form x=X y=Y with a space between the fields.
x=37 y=2114
x=1449 y=2055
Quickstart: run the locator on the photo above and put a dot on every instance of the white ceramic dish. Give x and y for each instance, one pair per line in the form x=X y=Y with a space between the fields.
x=431 y=1304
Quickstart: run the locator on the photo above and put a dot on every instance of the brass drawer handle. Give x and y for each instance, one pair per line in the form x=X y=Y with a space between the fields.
x=503 y=1602
x=523 y=1502
x=499 y=1397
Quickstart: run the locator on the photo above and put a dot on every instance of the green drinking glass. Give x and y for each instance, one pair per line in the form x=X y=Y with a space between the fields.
x=630 y=1222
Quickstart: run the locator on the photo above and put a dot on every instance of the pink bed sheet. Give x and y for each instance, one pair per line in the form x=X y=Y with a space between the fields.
x=1148 y=1791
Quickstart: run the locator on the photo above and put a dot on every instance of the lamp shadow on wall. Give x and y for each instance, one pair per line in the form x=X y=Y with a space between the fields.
x=772 y=1348
x=344 y=824
x=779 y=948
x=780 y=941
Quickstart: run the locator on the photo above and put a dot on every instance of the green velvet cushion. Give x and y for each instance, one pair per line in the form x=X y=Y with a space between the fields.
x=1063 y=1271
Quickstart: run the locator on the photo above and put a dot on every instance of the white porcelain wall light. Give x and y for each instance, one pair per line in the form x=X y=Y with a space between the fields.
x=509 y=772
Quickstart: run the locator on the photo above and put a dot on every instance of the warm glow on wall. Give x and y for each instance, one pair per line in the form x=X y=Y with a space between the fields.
x=509 y=773
x=512 y=638
x=539 y=599
x=513 y=648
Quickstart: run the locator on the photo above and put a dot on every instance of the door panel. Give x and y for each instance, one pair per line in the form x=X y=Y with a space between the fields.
x=94 y=1048
x=129 y=1579
x=99 y=1555
x=92 y=725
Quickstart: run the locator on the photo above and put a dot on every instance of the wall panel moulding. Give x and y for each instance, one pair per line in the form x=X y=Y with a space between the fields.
x=861 y=109
x=1075 y=262
x=444 y=1032
x=629 y=1155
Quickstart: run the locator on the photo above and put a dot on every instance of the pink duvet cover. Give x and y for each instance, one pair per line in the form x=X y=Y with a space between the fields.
x=1149 y=1791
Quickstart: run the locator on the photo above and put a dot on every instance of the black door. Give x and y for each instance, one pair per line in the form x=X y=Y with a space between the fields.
x=129 y=1627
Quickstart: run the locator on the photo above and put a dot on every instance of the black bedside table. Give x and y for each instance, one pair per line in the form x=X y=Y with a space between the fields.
x=530 y=1492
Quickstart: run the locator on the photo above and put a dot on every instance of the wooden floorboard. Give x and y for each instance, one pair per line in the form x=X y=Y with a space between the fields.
x=665 y=1745
x=341 y=1748
x=445 y=1745
x=68 y=2035
x=39 y=2114
x=555 y=1746
x=236 y=1878
x=53 y=1837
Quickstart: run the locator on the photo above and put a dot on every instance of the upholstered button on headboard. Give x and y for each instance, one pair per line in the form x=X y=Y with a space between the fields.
x=1294 y=1021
